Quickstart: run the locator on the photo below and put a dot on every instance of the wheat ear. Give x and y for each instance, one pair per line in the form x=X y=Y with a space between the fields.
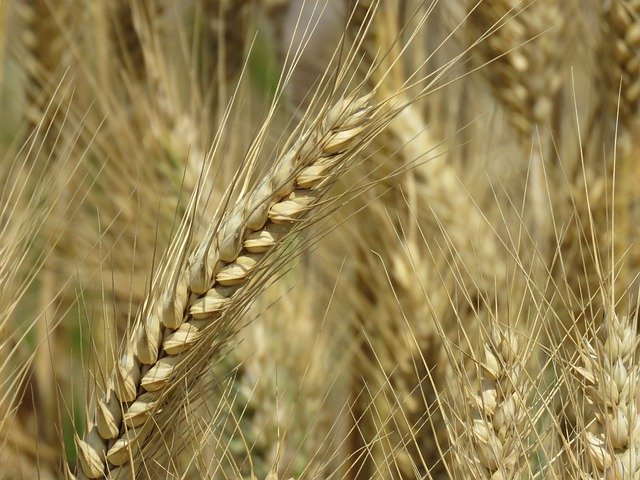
x=211 y=285
x=495 y=444
x=43 y=53
x=619 y=76
x=609 y=376
x=515 y=45
x=518 y=42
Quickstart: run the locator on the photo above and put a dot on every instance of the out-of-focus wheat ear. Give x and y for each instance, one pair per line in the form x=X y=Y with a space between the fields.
x=516 y=47
x=125 y=38
x=194 y=307
x=418 y=192
x=134 y=33
x=515 y=44
x=281 y=384
x=226 y=35
x=43 y=54
x=620 y=67
x=376 y=27
x=27 y=199
x=618 y=76
x=608 y=374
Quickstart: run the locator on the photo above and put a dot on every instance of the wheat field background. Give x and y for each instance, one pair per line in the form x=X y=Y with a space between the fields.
x=344 y=239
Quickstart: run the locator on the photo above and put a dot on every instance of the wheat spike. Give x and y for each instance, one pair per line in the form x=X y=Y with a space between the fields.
x=44 y=52
x=220 y=267
x=619 y=91
x=620 y=21
x=609 y=375
x=495 y=444
x=519 y=41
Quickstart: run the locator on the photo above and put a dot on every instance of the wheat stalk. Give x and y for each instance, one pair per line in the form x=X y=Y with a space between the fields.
x=515 y=46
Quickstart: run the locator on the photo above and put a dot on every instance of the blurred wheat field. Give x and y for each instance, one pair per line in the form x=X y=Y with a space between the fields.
x=346 y=239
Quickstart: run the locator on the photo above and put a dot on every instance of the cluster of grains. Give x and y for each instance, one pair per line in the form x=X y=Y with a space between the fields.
x=495 y=445
x=609 y=375
x=197 y=303
x=519 y=41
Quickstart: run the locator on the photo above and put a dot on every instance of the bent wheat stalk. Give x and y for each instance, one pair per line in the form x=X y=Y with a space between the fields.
x=198 y=308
